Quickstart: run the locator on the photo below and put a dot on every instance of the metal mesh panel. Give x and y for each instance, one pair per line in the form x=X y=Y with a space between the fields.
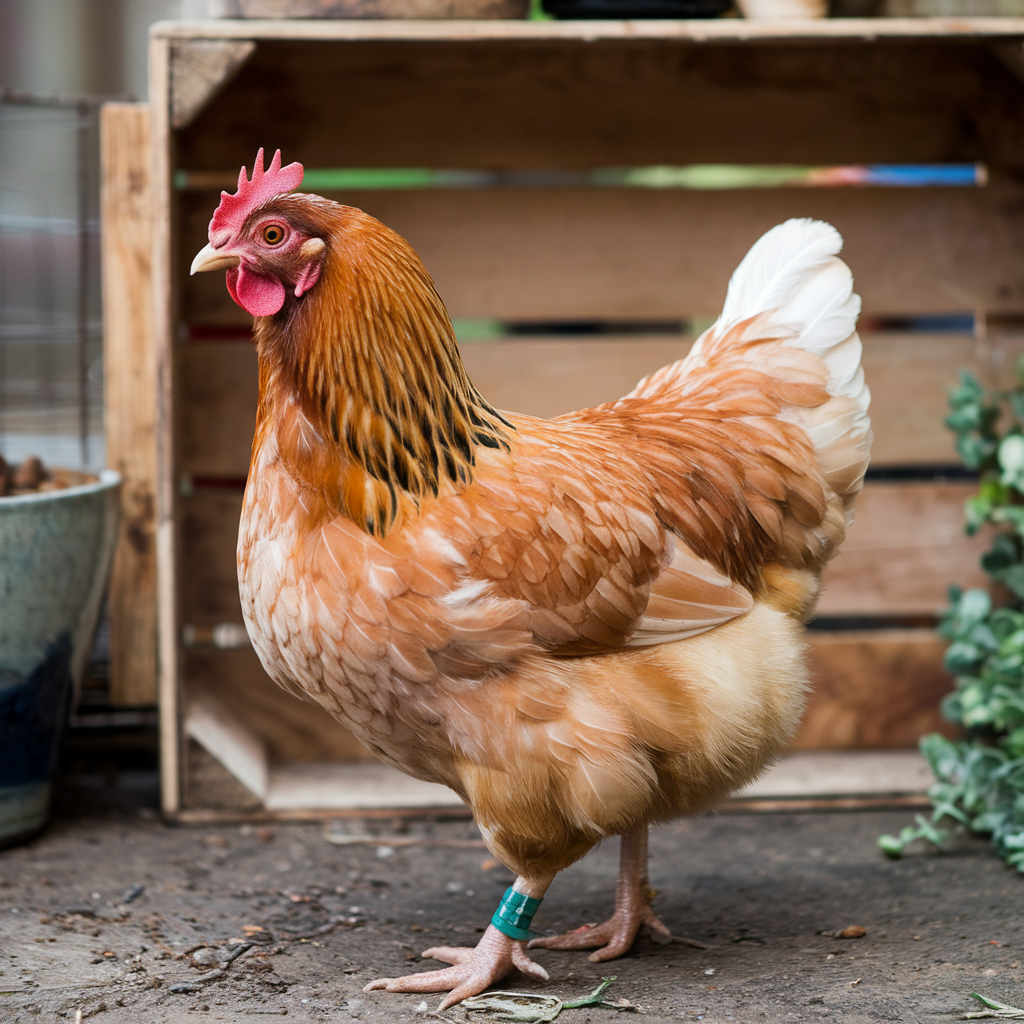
x=51 y=401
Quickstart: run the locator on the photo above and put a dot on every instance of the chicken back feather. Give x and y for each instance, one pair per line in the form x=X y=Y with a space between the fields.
x=581 y=624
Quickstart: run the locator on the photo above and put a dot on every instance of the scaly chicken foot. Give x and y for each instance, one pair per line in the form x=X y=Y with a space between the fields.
x=474 y=969
x=496 y=955
x=633 y=896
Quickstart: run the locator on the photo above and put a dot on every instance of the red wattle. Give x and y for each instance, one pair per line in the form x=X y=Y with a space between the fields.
x=256 y=294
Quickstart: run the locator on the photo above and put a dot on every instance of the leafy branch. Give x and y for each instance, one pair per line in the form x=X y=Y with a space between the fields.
x=980 y=779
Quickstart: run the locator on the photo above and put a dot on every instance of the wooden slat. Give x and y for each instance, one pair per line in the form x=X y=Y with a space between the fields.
x=209 y=580
x=129 y=364
x=617 y=253
x=904 y=550
x=874 y=689
x=908 y=373
x=168 y=680
x=900 y=556
x=432 y=9
x=618 y=103
x=293 y=729
x=219 y=389
x=860 y=30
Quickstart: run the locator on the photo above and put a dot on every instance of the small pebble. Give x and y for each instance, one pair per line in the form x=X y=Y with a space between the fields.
x=133 y=893
x=853 y=931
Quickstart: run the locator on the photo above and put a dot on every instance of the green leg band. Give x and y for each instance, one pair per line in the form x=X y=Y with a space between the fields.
x=515 y=915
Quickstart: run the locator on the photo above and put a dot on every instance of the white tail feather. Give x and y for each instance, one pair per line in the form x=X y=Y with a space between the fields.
x=776 y=267
x=793 y=277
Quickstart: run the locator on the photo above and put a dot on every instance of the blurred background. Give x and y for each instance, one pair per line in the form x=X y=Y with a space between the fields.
x=58 y=58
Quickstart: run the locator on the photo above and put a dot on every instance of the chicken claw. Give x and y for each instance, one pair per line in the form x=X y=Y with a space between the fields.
x=614 y=937
x=473 y=970
x=632 y=909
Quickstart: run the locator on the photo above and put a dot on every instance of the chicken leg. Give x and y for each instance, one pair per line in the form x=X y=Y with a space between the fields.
x=473 y=969
x=632 y=908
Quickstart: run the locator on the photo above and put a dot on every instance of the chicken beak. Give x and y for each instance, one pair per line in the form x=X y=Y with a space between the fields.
x=209 y=258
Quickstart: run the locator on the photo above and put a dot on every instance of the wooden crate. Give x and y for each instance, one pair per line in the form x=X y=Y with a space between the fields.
x=553 y=96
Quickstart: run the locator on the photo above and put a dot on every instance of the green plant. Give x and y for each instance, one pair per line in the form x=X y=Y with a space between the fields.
x=980 y=778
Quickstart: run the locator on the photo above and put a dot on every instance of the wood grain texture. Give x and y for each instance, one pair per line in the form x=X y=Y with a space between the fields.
x=904 y=550
x=209 y=578
x=854 y=30
x=901 y=555
x=550 y=102
x=522 y=254
x=908 y=373
x=375 y=9
x=219 y=390
x=129 y=366
x=874 y=689
x=164 y=308
x=293 y=729
x=198 y=70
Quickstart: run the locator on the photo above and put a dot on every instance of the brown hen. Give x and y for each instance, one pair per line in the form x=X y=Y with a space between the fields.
x=581 y=625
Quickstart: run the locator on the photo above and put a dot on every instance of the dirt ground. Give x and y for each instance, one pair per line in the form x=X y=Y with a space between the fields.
x=115 y=914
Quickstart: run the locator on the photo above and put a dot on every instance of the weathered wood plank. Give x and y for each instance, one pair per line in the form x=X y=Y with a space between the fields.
x=129 y=366
x=909 y=375
x=219 y=390
x=900 y=557
x=209 y=579
x=874 y=689
x=293 y=729
x=904 y=550
x=855 y=29
x=621 y=254
x=164 y=319
x=367 y=9
x=617 y=103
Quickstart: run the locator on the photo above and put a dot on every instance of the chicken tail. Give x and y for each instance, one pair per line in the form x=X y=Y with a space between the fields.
x=793 y=278
x=789 y=319
x=792 y=287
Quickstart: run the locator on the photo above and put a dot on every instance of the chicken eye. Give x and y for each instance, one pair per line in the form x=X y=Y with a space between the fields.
x=273 y=234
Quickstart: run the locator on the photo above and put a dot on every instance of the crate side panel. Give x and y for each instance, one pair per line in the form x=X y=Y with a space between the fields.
x=905 y=549
x=909 y=374
x=627 y=253
x=294 y=729
x=878 y=689
x=547 y=103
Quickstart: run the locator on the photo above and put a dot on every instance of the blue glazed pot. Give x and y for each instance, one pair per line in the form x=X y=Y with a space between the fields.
x=55 y=553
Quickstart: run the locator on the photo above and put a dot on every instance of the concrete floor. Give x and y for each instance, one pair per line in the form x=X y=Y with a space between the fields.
x=110 y=912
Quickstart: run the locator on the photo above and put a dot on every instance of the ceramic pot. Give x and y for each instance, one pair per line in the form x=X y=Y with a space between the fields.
x=55 y=553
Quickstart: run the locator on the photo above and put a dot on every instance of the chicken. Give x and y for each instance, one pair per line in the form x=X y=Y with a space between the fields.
x=581 y=625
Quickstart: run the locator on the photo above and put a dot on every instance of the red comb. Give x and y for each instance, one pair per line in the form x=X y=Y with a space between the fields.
x=254 y=192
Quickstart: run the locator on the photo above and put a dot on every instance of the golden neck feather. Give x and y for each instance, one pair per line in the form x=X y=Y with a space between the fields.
x=370 y=357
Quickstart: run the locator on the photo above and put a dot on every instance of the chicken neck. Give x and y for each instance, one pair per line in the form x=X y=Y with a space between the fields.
x=364 y=381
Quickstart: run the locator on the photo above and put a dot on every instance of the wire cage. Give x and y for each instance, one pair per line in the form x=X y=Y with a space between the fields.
x=51 y=374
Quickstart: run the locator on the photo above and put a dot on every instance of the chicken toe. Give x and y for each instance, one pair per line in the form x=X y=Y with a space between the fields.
x=613 y=937
x=633 y=895
x=495 y=956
